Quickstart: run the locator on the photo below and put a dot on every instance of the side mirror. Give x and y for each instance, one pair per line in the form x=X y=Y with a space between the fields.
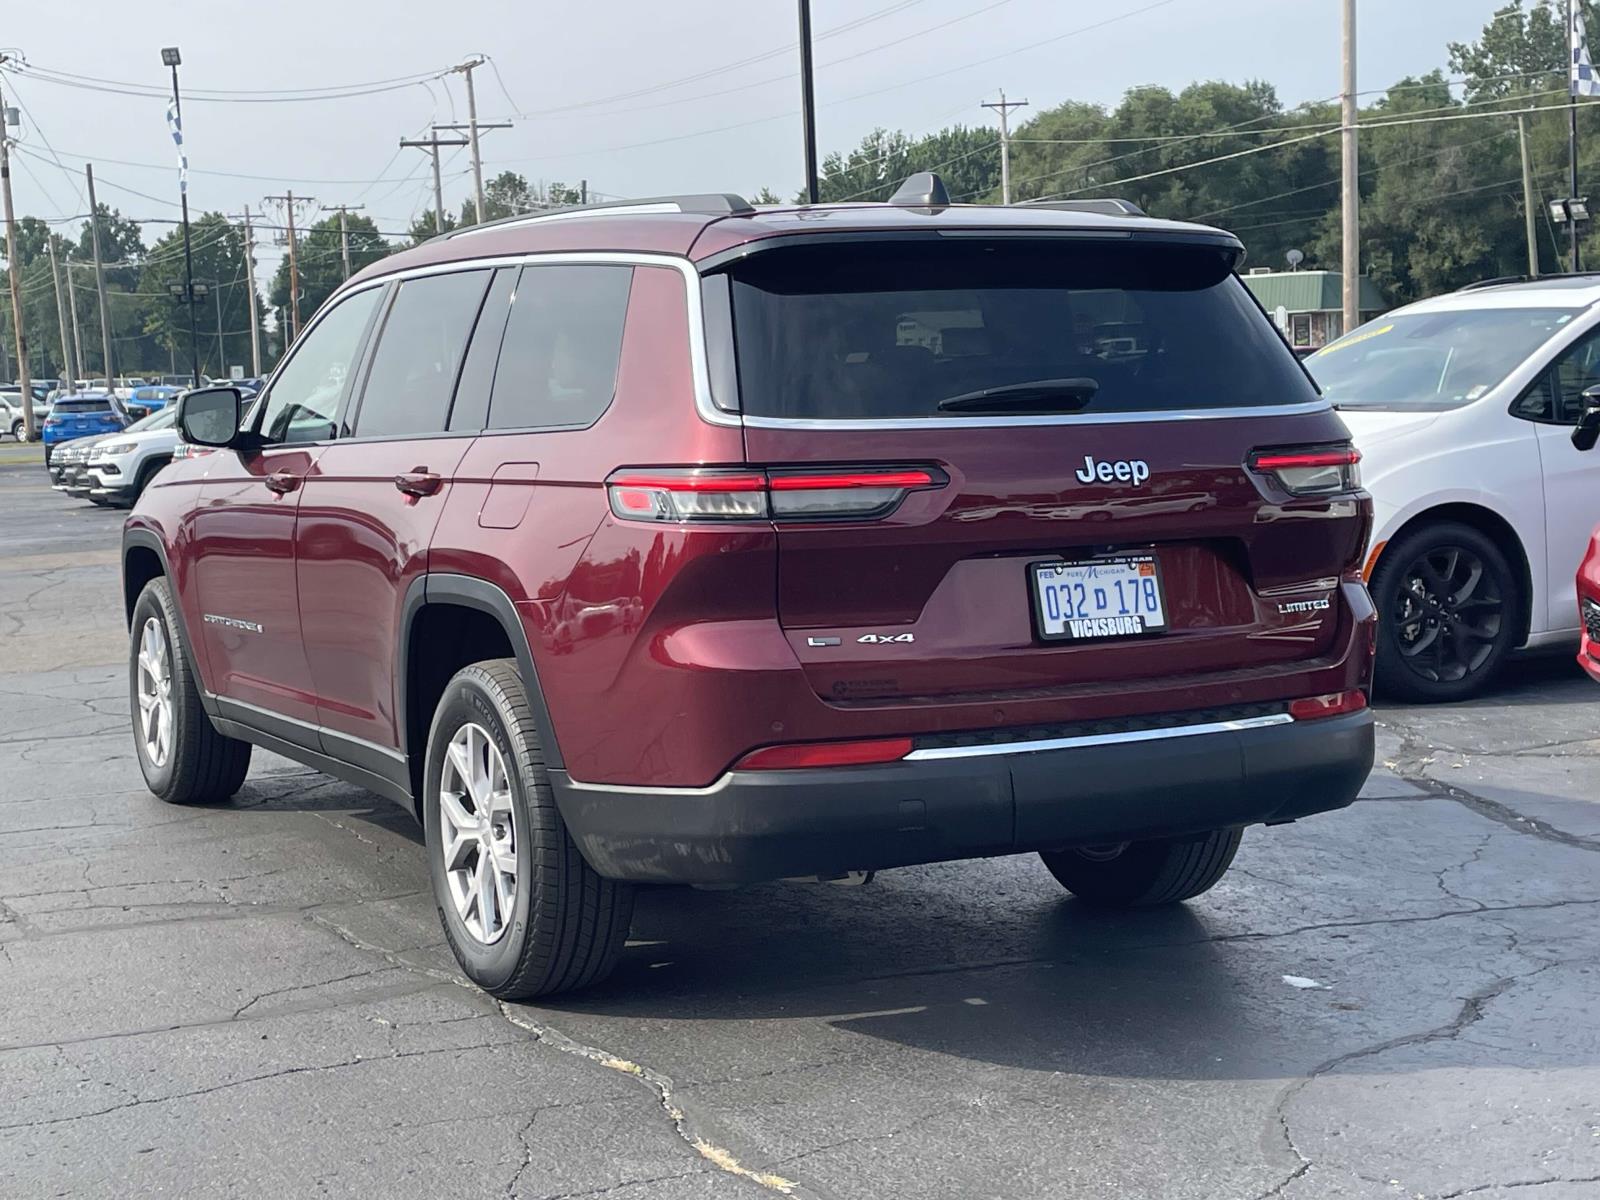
x=1588 y=430
x=209 y=416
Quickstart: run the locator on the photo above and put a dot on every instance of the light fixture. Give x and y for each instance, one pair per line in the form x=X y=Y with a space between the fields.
x=170 y=56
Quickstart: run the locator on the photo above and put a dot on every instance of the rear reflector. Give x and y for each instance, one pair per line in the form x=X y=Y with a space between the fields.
x=744 y=493
x=825 y=754
x=1311 y=470
x=1332 y=705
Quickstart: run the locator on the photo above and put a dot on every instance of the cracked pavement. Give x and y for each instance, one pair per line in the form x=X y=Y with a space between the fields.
x=257 y=1000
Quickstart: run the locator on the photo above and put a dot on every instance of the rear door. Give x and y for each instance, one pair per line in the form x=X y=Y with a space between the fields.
x=1571 y=476
x=373 y=497
x=1099 y=527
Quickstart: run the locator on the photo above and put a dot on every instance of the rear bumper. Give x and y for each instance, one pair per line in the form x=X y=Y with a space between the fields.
x=756 y=825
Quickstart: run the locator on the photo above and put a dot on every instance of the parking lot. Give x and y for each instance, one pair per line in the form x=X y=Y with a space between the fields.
x=1399 y=999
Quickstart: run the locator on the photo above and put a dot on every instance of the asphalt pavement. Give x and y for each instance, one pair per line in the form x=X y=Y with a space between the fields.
x=1400 y=999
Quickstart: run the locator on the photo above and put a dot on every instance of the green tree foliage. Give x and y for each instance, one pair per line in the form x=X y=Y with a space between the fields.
x=968 y=160
x=222 y=317
x=320 y=260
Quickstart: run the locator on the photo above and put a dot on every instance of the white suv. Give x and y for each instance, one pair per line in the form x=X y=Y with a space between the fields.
x=120 y=465
x=1463 y=408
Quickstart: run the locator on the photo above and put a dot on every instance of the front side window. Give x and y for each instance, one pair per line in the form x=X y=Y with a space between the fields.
x=419 y=351
x=563 y=341
x=305 y=396
x=1433 y=361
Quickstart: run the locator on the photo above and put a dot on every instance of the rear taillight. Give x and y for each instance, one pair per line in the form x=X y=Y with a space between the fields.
x=1311 y=470
x=825 y=754
x=781 y=493
x=1335 y=704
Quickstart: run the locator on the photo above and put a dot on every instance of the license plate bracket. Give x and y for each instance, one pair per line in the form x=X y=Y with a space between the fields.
x=1097 y=599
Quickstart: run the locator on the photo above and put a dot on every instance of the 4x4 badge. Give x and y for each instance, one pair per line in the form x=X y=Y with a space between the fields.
x=883 y=639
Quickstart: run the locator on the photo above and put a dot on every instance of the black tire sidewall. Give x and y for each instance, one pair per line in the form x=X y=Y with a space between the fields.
x=1393 y=676
x=467 y=699
x=155 y=601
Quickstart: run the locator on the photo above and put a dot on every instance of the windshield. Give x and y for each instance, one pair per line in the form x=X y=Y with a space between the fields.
x=857 y=331
x=161 y=419
x=1430 y=362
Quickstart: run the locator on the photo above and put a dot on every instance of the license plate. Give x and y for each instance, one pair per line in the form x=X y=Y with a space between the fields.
x=1099 y=598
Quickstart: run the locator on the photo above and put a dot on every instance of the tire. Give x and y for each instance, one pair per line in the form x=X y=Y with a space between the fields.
x=1461 y=575
x=1145 y=874
x=200 y=765
x=562 y=926
x=17 y=430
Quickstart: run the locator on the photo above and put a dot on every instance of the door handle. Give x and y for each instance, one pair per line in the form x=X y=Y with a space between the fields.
x=282 y=482
x=418 y=482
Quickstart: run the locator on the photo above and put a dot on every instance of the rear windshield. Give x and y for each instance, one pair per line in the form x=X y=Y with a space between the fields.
x=889 y=330
x=83 y=406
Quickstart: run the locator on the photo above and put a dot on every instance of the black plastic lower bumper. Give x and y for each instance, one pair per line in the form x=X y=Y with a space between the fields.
x=755 y=825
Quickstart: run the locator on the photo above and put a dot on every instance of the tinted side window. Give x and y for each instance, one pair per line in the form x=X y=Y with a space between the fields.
x=558 y=362
x=413 y=370
x=305 y=396
x=1575 y=372
x=471 y=408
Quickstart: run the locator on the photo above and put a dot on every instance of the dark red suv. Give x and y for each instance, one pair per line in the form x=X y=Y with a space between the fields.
x=686 y=542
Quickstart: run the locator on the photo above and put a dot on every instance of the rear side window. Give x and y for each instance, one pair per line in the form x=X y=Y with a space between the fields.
x=558 y=362
x=859 y=331
x=419 y=350
x=471 y=407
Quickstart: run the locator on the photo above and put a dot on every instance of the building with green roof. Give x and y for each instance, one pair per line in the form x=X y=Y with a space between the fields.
x=1309 y=305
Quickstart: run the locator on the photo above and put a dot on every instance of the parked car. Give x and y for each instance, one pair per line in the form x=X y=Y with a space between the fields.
x=120 y=466
x=1463 y=408
x=517 y=539
x=68 y=467
x=142 y=401
x=82 y=414
x=1589 y=608
x=11 y=416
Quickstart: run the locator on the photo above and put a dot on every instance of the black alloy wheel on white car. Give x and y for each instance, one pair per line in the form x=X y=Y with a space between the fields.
x=1448 y=603
x=524 y=913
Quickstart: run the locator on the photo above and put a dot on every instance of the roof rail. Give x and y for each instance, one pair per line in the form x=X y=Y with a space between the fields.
x=713 y=204
x=1107 y=205
x=1504 y=279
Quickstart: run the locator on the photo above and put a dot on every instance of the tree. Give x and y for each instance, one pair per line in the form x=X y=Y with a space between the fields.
x=967 y=159
x=320 y=260
x=222 y=316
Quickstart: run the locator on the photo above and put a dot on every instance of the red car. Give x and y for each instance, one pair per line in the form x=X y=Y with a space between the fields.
x=1589 y=608
x=686 y=542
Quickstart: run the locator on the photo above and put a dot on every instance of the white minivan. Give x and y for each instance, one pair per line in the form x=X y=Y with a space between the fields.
x=1464 y=407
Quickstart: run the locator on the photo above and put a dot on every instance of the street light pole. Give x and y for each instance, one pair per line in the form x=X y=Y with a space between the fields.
x=171 y=58
x=808 y=104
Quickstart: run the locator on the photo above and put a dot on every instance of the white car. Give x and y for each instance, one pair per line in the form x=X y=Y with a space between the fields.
x=121 y=465
x=1463 y=408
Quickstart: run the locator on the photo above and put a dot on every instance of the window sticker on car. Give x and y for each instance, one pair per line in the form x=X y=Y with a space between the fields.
x=1355 y=339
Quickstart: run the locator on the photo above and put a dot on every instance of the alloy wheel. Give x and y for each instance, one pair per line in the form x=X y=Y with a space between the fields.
x=478 y=833
x=155 y=692
x=1448 y=612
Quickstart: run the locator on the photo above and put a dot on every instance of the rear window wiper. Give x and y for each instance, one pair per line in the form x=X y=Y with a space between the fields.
x=1036 y=395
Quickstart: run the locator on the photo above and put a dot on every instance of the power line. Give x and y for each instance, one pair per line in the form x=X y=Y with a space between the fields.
x=220 y=96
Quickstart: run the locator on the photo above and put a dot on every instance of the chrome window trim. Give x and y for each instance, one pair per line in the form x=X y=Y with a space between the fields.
x=988 y=750
x=1130 y=417
x=699 y=368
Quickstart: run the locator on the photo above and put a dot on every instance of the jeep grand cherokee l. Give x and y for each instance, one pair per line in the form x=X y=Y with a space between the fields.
x=686 y=542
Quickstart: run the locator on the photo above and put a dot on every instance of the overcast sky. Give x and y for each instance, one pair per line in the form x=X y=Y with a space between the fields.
x=585 y=84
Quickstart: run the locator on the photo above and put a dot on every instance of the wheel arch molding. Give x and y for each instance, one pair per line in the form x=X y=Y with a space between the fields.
x=436 y=590
x=1497 y=529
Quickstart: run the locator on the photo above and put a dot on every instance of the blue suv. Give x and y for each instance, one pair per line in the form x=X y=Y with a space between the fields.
x=80 y=415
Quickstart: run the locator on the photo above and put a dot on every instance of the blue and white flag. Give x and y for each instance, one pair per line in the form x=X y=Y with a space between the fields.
x=1584 y=80
x=175 y=123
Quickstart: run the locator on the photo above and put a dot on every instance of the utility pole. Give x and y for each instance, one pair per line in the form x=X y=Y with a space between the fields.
x=287 y=200
x=250 y=281
x=100 y=281
x=1574 y=42
x=1350 y=173
x=78 y=371
x=432 y=144
x=808 y=103
x=14 y=275
x=61 y=308
x=1004 y=107
x=1530 y=228
x=344 y=230
x=473 y=128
